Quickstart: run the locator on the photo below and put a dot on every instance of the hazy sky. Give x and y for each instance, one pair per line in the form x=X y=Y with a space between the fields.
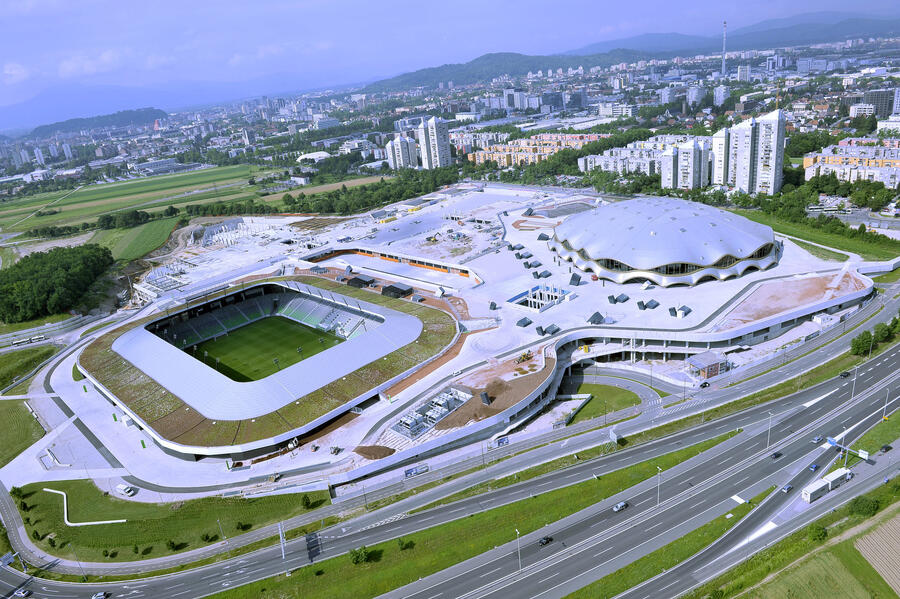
x=53 y=43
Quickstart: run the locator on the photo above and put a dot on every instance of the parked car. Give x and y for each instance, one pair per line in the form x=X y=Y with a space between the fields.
x=620 y=506
x=125 y=490
x=787 y=488
x=818 y=439
x=813 y=467
x=886 y=448
x=545 y=541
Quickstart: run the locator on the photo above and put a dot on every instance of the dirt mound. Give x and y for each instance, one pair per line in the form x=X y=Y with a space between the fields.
x=373 y=452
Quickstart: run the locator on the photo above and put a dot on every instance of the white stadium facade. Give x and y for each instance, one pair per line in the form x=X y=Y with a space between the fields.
x=665 y=241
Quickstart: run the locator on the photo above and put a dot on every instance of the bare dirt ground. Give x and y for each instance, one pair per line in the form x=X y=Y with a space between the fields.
x=374 y=452
x=318 y=223
x=504 y=392
x=43 y=246
x=881 y=548
x=777 y=296
x=533 y=223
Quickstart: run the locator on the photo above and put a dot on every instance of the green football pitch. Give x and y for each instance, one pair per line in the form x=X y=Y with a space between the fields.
x=249 y=353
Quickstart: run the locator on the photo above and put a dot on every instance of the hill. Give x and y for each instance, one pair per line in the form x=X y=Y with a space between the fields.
x=488 y=66
x=140 y=116
x=810 y=28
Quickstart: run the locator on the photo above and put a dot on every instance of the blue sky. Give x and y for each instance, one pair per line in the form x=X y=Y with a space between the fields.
x=54 y=43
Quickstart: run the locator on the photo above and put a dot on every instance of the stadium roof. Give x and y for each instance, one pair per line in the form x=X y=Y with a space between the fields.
x=218 y=397
x=646 y=233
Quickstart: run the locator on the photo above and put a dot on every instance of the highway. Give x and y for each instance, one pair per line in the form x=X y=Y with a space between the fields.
x=729 y=468
x=606 y=541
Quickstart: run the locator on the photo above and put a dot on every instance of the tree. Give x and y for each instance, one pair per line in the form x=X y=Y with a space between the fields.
x=15 y=492
x=305 y=501
x=864 y=506
x=360 y=555
x=861 y=343
x=170 y=211
x=816 y=533
x=882 y=332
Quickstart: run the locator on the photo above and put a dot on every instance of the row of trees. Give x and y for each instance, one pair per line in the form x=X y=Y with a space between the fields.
x=868 y=341
x=407 y=184
x=51 y=282
x=119 y=220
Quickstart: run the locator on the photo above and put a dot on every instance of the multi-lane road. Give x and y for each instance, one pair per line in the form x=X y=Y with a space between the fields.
x=585 y=545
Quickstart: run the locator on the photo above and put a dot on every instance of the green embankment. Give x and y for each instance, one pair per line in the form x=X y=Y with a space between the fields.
x=134 y=243
x=881 y=250
x=150 y=526
x=606 y=399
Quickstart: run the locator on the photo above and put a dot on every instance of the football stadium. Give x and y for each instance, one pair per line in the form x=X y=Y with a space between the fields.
x=239 y=372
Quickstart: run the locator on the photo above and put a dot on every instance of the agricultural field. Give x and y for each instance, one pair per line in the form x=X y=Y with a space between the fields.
x=836 y=572
x=134 y=243
x=149 y=194
x=249 y=353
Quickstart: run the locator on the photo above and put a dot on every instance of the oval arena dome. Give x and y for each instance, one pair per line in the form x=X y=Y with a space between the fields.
x=666 y=241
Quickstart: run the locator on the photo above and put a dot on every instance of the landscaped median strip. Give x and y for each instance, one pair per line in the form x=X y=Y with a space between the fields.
x=393 y=564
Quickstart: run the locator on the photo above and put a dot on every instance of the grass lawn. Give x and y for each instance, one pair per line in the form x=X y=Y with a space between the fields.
x=606 y=399
x=888 y=277
x=131 y=244
x=882 y=250
x=822 y=253
x=76 y=374
x=665 y=557
x=150 y=525
x=17 y=363
x=28 y=324
x=16 y=417
x=248 y=353
x=441 y=546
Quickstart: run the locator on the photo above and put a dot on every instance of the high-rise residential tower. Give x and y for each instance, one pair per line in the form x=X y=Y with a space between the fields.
x=401 y=152
x=434 y=143
x=719 y=156
x=769 y=153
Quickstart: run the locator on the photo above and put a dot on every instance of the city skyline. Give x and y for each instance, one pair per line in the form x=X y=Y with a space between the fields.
x=284 y=47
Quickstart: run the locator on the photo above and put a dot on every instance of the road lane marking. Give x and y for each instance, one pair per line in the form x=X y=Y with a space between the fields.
x=549 y=577
x=491 y=572
x=813 y=402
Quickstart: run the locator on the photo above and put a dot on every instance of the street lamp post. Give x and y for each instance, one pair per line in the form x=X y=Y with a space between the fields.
x=769 y=432
x=884 y=411
x=853 y=388
x=518 y=549
x=658 y=475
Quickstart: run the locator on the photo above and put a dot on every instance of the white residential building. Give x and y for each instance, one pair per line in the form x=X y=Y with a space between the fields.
x=693 y=165
x=401 y=152
x=769 y=153
x=718 y=155
x=862 y=110
x=720 y=94
x=742 y=156
x=434 y=143
x=668 y=168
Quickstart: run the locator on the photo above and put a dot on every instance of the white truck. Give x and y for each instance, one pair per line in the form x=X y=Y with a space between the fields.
x=837 y=478
x=814 y=490
x=829 y=482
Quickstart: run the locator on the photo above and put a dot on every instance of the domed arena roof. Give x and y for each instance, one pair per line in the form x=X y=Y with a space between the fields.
x=665 y=240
